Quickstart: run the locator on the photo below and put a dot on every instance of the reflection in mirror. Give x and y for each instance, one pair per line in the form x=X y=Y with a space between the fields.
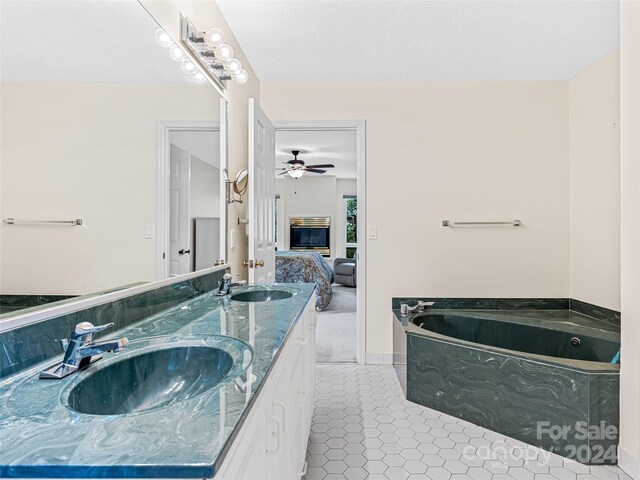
x=83 y=98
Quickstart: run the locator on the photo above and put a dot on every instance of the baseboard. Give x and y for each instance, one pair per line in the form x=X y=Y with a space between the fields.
x=629 y=463
x=379 y=359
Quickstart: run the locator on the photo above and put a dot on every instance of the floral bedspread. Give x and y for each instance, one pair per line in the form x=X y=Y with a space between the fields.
x=306 y=267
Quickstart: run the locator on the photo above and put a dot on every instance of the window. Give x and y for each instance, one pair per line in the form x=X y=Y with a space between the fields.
x=351 y=224
x=275 y=219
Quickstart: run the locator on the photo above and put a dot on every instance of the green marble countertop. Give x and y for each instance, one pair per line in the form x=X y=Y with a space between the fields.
x=41 y=437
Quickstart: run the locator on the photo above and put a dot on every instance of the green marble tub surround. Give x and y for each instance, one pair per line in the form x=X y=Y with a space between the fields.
x=514 y=371
x=569 y=304
x=186 y=438
x=605 y=314
x=28 y=345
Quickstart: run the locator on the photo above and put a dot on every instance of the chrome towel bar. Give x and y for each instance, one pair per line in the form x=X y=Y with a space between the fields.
x=511 y=223
x=16 y=221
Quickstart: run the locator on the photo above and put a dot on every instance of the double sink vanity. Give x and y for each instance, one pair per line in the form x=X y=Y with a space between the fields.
x=213 y=386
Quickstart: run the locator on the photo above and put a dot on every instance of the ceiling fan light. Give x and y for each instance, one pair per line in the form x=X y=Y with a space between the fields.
x=296 y=173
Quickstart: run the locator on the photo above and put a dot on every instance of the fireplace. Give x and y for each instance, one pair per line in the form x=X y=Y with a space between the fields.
x=310 y=234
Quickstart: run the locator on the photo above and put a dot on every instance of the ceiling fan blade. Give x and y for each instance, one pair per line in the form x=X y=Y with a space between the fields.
x=323 y=165
x=284 y=173
x=314 y=170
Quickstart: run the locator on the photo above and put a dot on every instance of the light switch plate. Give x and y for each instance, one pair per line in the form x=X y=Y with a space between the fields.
x=149 y=231
x=373 y=232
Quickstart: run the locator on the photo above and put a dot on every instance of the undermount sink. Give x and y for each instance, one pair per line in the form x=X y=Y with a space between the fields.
x=157 y=376
x=261 y=295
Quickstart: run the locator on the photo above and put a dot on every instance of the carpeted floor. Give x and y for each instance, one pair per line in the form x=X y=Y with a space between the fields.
x=336 y=331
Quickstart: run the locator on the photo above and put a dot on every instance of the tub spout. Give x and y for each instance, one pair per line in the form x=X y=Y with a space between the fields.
x=405 y=309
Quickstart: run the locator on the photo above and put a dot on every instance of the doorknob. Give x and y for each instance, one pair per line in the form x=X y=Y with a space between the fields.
x=259 y=263
x=247 y=263
x=182 y=251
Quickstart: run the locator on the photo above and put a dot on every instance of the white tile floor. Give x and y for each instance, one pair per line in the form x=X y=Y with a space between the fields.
x=363 y=428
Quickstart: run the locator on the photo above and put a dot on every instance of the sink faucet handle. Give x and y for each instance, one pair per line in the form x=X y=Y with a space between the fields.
x=85 y=328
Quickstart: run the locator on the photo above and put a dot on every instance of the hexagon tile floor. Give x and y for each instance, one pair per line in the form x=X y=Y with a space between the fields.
x=363 y=428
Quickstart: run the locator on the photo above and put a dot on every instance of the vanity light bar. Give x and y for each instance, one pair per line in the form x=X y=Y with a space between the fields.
x=214 y=57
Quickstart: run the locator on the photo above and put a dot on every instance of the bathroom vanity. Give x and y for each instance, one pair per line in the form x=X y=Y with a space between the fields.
x=222 y=387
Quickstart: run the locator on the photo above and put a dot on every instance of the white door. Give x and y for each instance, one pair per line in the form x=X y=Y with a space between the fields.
x=179 y=241
x=262 y=166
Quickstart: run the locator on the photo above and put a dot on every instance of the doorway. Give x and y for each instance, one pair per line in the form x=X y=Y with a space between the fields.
x=336 y=197
x=191 y=210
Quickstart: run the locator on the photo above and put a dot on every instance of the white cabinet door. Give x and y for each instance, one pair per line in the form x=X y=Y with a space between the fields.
x=273 y=441
x=280 y=420
x=262 y=169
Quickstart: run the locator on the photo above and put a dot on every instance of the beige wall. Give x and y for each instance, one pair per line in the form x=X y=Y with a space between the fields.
x=205 y=14
x=594 y=163
x=85 y=151
x=630 y=210
x=466 y=151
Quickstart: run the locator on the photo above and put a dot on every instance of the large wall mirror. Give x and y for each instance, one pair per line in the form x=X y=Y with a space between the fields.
x=111 y=156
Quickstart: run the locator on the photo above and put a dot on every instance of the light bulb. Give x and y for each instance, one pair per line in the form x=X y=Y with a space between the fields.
x=224 y=52
x=214 y=37
x=295 y=173
x=162 y=38
x=234 y=66
x=176 y=53
x=241 y=77
x=188 y=67
x=198 y=77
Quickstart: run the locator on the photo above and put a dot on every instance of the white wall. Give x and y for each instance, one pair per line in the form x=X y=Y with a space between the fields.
x=465 y=151
x=85 y=151
x=594 y=162
x=315 y=197
x=629 y=453
x=205 y=15
x=319 y=197
x=204 y=189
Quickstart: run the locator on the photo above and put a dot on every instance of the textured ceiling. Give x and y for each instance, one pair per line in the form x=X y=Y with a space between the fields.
x=81 y=41
x=337 y=147
x=422 y=41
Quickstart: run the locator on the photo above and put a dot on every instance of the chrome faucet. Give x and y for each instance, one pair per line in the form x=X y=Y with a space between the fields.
x=419 y=307
x=225 y=286
x=81 y=350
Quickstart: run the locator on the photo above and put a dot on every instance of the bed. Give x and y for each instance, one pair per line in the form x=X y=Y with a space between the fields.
x=306 y=267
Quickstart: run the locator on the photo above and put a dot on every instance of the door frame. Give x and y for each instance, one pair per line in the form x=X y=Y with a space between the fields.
x=359 y=127
x=164 y=129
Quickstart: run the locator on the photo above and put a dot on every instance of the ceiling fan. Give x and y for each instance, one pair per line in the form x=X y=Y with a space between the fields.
x=296 y=168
